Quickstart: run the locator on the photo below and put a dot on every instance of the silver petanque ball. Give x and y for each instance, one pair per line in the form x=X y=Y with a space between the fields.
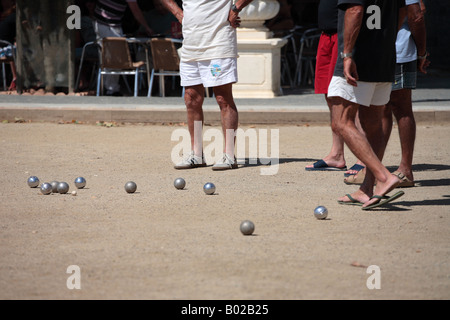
x=80 y=182
x=209 y=188
x=33 y=181
x=54 y=186
x=247 y=227
x=63 y=187
x=130 y=187
x=321 y=212
x=46 y=188
x=179 y=183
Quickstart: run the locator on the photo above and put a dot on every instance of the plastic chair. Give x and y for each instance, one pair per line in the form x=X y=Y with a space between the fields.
x=166 y=62
x=116 y=59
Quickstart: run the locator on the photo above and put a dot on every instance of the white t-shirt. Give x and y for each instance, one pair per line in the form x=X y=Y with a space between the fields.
x=405 y=45
x=207 y=34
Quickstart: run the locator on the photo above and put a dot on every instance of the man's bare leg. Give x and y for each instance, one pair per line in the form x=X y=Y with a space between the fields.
x=401 y=106
x=336 y=156
x=229 y=116
x=358 y=125
x=193 y=98
x=360 y=144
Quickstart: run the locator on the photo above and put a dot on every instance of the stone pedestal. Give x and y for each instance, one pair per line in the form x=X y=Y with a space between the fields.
x=259 y=54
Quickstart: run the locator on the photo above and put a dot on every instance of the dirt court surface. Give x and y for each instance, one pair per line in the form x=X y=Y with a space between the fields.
x=164 y=243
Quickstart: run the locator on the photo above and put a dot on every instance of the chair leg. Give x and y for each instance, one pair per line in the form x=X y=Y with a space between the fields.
x=150 y=84
x=162 y=92
x=99 y=80
x=4 y=76
x=136 y=76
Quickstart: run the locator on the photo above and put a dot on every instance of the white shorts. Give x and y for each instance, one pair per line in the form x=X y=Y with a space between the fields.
x=210 y=73
x=366 y=93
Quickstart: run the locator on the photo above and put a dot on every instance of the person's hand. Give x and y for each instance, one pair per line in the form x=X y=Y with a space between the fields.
x=422 y=7
x=350 y=72
x=422 y=64
x=234 y=19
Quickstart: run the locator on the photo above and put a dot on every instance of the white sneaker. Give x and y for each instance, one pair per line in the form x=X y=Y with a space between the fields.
x=192 y=161
x=226 y=163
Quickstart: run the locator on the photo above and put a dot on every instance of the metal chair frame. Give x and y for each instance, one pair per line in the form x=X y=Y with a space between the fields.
x=166 y=62
x=307 y=53
x=7 y=60
x=82 y=59
x=115 y=59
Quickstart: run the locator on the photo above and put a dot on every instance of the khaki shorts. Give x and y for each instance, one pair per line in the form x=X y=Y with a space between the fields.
x=366 y=93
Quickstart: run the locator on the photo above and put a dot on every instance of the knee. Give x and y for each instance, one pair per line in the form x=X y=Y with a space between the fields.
x=225 y=104
x=337 y=127
x=193 y=101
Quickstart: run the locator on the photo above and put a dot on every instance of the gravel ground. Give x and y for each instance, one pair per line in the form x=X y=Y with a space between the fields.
x=167 y=244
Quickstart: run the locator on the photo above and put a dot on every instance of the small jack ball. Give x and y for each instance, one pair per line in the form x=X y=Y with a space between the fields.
x=209 y=188
x=80 y=182
x=179 y=183
x=321 y=212
x=130 y=187
x=247 y=227
x=33 y=181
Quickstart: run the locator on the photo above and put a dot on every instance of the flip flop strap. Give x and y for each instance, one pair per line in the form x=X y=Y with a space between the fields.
x=379 y=197
x=351 y=198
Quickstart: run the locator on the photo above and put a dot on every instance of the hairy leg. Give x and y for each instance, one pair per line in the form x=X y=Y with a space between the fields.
x=193 y=98
x=229 y=116
x=361 y=146
x=401 y=104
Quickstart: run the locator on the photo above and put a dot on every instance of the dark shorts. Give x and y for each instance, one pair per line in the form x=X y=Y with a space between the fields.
x=405 y=75
x=325 y=61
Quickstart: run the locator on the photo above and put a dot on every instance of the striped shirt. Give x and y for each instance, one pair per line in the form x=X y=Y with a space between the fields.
x=110 y=12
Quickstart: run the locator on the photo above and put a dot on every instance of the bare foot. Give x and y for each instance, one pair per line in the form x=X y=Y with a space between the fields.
x=383 y=188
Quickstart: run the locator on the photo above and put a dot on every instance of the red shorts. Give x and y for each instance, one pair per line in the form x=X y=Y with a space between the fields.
x=327 y=52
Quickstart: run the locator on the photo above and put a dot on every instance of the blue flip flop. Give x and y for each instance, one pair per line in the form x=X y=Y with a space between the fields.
x=383 y=200
x=356 y=167
x=323 y=166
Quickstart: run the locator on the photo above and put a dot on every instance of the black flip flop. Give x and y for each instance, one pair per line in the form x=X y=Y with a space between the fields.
x=323 y=166
x=356 y=167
